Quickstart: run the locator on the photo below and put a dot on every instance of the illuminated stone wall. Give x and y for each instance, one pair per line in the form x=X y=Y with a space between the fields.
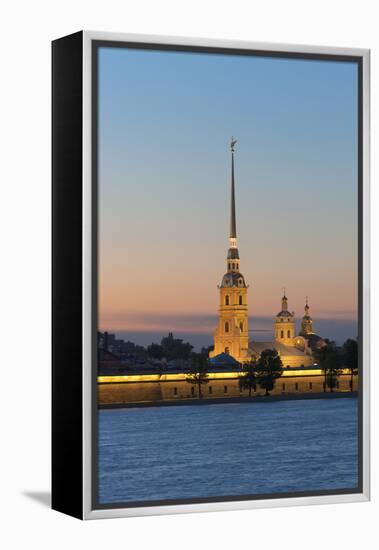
x=160 y=390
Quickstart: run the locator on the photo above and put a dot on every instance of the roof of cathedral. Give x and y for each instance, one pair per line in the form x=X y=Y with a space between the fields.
x=284 y=313
x=232 y=278
x=284 y=350
x=223 y=359
x=233 y=254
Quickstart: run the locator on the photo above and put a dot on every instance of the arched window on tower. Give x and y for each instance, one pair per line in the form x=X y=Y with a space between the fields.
x=226 y=327
x=227 y=351
x=241 y=326
x=226 y=300
x=282 y=334
x=240 y=300
x=288 y=334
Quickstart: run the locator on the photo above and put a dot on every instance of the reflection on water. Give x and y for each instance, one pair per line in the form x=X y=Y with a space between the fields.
x=229 y=449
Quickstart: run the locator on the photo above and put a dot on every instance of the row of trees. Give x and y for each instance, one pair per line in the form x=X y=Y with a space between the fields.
x=332 y=359
x=265 y=371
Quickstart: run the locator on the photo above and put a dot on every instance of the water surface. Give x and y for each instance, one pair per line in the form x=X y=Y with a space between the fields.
x=160 y=453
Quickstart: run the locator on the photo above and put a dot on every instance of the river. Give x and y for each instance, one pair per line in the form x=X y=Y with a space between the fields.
x=184 y=452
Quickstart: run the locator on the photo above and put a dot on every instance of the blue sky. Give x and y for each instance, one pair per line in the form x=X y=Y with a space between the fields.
x=165 y=121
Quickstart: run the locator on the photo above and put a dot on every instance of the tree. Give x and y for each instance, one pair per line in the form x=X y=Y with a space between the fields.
x=174 y=348
x=350 y=358
x=329 y=358
x=155 y=351
x=206 y=350
x=248 y=378
x=268 y=369
x=198 y=372
x=321 y=355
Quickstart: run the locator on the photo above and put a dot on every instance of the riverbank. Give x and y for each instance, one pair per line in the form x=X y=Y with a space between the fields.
x=221 y=400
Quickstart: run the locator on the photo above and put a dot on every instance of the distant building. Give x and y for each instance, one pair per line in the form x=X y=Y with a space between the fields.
x=231 y=336
x=108 y=342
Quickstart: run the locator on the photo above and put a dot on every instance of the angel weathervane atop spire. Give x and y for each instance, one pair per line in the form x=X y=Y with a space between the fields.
x=233 y=141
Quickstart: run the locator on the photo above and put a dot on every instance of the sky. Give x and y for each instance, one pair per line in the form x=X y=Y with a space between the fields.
x=165 y=122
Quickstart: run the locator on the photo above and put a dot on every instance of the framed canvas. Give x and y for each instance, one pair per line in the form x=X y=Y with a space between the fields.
x=210 y=275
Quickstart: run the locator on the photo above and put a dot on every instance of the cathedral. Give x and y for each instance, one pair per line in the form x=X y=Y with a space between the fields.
x=231 y=337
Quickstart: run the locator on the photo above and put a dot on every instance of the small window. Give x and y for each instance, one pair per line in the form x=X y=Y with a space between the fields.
x=296 y=386
x=310 y=385
x=210 y=390
x=226 y=300
x=282 y=334
x=175 y=391
x=241 y=327
x=226 y=327
x=288 y=334
x=225 y=389
x=240 y=300
x=192 y=391
x=283 y=387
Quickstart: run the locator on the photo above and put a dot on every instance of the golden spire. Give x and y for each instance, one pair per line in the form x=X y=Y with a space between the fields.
x=233 y=230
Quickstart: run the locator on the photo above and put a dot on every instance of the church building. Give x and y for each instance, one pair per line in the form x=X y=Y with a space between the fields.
x=231 y=337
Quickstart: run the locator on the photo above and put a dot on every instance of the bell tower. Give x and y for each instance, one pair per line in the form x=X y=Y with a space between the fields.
x=306 y=322
x=285 y=323
x=231 y=335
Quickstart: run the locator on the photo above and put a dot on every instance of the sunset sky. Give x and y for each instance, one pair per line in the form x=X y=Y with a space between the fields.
x=165 y=122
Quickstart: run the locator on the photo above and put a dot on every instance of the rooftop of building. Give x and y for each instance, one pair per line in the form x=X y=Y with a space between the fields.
x=223 y=360
x=284 y=350
x=285 y=313
x=233 y=278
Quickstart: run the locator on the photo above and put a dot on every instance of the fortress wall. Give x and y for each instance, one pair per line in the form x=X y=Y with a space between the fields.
x=137 y=392
x=297 y=361
x=129 y=392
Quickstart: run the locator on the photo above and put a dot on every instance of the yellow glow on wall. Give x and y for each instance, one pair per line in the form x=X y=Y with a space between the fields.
x=133 y=378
